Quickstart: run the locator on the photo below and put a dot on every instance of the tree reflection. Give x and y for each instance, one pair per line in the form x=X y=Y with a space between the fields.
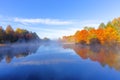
x=105 y=55
x=17 y=50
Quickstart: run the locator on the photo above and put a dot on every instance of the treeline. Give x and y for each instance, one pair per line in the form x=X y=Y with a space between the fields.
x=19 y=35
x=105 y=34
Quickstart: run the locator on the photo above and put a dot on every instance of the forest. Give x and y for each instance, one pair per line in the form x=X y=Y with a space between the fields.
x=19 y=35
x=105 y=34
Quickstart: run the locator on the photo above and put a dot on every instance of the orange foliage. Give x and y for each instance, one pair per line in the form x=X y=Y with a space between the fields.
x=104 y=55
x=81 y=36
x=108 y=34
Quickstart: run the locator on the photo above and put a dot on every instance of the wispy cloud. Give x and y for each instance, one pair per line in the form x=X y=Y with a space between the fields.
x=51 y=28
x=42 y=21
x=49 y=21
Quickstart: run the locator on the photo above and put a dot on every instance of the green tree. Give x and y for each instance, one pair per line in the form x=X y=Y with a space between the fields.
x=88 y=28
x=116 y=22
x=109 y=24
x=102 y=26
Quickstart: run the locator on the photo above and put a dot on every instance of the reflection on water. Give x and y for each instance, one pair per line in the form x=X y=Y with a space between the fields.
x=17 y=50
x=103 y=54
x=52 y=62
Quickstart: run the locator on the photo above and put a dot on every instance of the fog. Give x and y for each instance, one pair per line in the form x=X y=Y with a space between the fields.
x=10 y=51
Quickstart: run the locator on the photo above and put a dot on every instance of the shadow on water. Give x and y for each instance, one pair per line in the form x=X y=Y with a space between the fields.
x=105 y=55
x=8 y=52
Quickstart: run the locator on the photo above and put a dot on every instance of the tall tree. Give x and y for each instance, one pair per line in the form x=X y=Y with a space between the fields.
x=10 y=34
x=102 y=26
x=9 y=30
x=2 y=35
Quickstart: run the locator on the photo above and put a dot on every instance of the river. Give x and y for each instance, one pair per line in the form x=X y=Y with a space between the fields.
x=54 y=61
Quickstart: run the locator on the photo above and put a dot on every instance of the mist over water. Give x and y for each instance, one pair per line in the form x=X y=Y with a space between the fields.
x=17 y=50
x=55 y=61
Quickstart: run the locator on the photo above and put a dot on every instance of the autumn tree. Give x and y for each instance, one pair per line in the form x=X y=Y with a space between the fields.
x=106 y=34
x=10 y=36
x=21 y=33
x=81 y=36
x=26 y=35
x=116 y=22
x=2 y=35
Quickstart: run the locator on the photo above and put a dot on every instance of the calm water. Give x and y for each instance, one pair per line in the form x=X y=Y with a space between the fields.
x=59 y=62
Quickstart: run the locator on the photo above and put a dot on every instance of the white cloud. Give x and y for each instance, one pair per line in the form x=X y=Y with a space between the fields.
x=42 y=21
x=52 y=28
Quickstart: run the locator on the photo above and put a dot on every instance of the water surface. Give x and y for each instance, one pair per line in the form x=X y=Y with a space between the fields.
x=59 y=62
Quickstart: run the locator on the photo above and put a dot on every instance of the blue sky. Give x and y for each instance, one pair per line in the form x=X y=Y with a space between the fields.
x=55 y=18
